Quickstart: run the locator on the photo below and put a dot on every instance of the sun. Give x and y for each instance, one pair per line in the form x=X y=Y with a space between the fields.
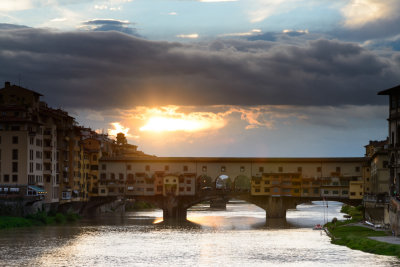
x=163 y=124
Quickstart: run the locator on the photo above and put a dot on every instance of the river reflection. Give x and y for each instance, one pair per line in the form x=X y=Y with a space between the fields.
x=239 y=236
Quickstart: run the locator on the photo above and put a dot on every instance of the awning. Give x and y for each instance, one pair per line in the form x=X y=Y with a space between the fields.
x=37 y=189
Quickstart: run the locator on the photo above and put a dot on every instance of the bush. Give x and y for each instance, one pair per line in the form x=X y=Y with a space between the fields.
x=60 y=218
x=72 y=217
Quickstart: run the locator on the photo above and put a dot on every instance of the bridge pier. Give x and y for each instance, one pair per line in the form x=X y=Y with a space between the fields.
x=174 y=214
x=275 y=208
x=173 y=209
x=218 y=204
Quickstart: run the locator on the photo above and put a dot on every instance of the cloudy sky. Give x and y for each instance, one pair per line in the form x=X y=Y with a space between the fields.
x=263 y=78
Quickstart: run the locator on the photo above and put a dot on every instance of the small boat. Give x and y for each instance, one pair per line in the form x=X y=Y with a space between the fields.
x=318 y=227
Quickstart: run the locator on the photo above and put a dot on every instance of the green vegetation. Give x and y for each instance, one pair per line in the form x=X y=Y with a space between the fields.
x=39 y=218
x=356 y=237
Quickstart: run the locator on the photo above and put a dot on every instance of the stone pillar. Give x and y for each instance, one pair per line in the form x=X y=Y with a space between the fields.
x=173 y=209
x=276 y=207
x=174 y=214
x=219 y=203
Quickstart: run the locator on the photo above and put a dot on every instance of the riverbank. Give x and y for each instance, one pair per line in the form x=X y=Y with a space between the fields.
x=38 y=219
x=358 y=237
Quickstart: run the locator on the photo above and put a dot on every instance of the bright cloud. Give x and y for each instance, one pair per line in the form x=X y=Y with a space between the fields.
x=249 y=33
x=118 y=128
x=170 y=118
x=15 y=5
x=189 y=36
x=262 y=9
x=359 y=12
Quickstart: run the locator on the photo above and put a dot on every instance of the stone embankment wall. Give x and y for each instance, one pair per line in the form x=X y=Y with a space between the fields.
x=22 y=207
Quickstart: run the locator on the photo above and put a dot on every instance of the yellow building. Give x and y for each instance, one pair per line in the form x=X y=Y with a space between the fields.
x=356 y=190
x=277 y=184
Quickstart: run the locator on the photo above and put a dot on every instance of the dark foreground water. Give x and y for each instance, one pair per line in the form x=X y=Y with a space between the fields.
x=239 y=236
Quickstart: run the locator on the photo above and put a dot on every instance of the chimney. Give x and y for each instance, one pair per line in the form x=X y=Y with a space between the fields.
x=7 y=84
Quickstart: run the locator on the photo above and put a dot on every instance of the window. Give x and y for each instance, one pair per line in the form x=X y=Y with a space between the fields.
x=280 y=169
x=31 y=154
x=326 y=192
x=147 y=168
x=345 y=192
x=305 y=191
x=121 y=176
x=352 y=193
x=15 y=178
x=316 y=191
x=188 y=189
x=241 y=168
x=15 y=167
x=6 y=178
x=166 y=168
x=181 y=189
x=103 y=167
x=223 y=169
x=112 y=176
x=266 y=190
x=188 y=182
x=338 y=169
x=38 y=166
x=185 y=168
x=15 y=139
x=204 y=169
x=261 y=169
x=357 y=169
x=129 y=167
x=102 y=176
x=335 y=192
x=299 y=169
x=257 y=190
x=319 y=169
x=15 y=154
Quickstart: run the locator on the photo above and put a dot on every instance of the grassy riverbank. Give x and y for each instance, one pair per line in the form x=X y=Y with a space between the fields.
x=356 y=237
x=38 y=219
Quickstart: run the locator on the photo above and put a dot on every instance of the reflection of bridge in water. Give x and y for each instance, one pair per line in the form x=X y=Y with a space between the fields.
x=175 y=207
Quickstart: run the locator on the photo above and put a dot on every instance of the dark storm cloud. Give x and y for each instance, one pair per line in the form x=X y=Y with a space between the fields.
x=108 y=69
x=110 y=25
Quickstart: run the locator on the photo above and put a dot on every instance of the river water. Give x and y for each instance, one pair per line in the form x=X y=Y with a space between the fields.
x=239 y=236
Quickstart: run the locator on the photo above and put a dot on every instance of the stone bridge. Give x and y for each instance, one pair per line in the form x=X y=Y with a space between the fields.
x=175 y=207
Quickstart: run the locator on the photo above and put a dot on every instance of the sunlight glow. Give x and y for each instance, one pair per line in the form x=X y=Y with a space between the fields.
x=118 y=128
x=162 y=124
